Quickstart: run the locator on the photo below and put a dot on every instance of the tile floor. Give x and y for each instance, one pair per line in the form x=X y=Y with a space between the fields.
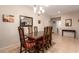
x=63 y=45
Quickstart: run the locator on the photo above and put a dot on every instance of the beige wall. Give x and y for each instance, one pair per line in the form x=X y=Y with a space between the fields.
x=8 y=31
x=75 y=24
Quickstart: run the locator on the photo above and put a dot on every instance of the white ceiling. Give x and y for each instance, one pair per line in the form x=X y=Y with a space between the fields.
x=52 y=10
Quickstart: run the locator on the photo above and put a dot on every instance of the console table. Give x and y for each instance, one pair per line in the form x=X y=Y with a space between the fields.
x=64 y=30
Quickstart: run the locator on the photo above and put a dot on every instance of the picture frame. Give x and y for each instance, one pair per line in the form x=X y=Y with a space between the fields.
x=8 y=18
x=26 y=21
x=39 y=22
x=68 y=22
x=54 y=21
x=78 y=20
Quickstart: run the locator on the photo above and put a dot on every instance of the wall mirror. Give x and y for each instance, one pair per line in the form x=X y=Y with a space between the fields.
x=26 y=21
x=68 y=22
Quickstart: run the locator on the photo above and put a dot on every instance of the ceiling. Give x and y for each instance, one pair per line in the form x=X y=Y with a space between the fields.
x=54 y=10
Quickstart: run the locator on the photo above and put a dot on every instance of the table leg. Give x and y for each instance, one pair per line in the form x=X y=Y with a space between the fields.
x=74 y=34
x=62 y=33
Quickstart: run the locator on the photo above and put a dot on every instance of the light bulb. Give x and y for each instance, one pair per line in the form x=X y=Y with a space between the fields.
x=39 y=12
x=43 y=10
x=35 y=8
x=58 y=12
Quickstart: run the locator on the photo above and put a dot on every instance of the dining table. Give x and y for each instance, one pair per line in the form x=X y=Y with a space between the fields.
x=37 y=36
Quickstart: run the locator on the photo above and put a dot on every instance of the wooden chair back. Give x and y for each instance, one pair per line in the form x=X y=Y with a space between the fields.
x=50 y=34
x=21 y=34
x=35 y=29
x=45 y=34
x=30 y=29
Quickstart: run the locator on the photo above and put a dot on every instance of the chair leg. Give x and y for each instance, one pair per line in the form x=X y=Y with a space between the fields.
x=25 y=49
x=46 y=46
x=20 y=49
x=50 y=44
x=42 y=49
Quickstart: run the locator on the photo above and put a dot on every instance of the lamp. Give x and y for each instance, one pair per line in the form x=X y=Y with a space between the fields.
x=38 y=9
x=35 y=8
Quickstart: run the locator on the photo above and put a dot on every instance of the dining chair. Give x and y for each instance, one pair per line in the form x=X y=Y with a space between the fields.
x=46 y=40
x=28 y=45
x=40 y=45
x=30 y=29
x=40 y=41
x=35 y=29
x=46 y=36
x=49 y=35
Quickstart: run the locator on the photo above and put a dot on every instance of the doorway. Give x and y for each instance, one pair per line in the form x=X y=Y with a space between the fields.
x=56 y=24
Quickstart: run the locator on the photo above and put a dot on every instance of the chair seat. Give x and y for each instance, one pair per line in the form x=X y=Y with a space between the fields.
x=42 y=41
x=29 y=44
x=30 y=41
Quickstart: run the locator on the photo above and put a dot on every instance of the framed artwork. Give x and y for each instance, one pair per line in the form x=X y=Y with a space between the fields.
x=78 y=20
x=8 y=18
x=68 y=22
x=39 y=22
x=26 y=21
x=54 y=21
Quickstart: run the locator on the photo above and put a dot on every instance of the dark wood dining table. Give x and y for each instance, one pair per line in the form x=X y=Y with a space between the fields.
x=37 y=36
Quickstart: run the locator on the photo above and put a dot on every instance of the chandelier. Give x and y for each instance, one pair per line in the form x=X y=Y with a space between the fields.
x=38 y=9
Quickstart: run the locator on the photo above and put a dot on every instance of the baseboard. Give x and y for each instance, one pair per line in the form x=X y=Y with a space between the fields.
x=10 y=48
